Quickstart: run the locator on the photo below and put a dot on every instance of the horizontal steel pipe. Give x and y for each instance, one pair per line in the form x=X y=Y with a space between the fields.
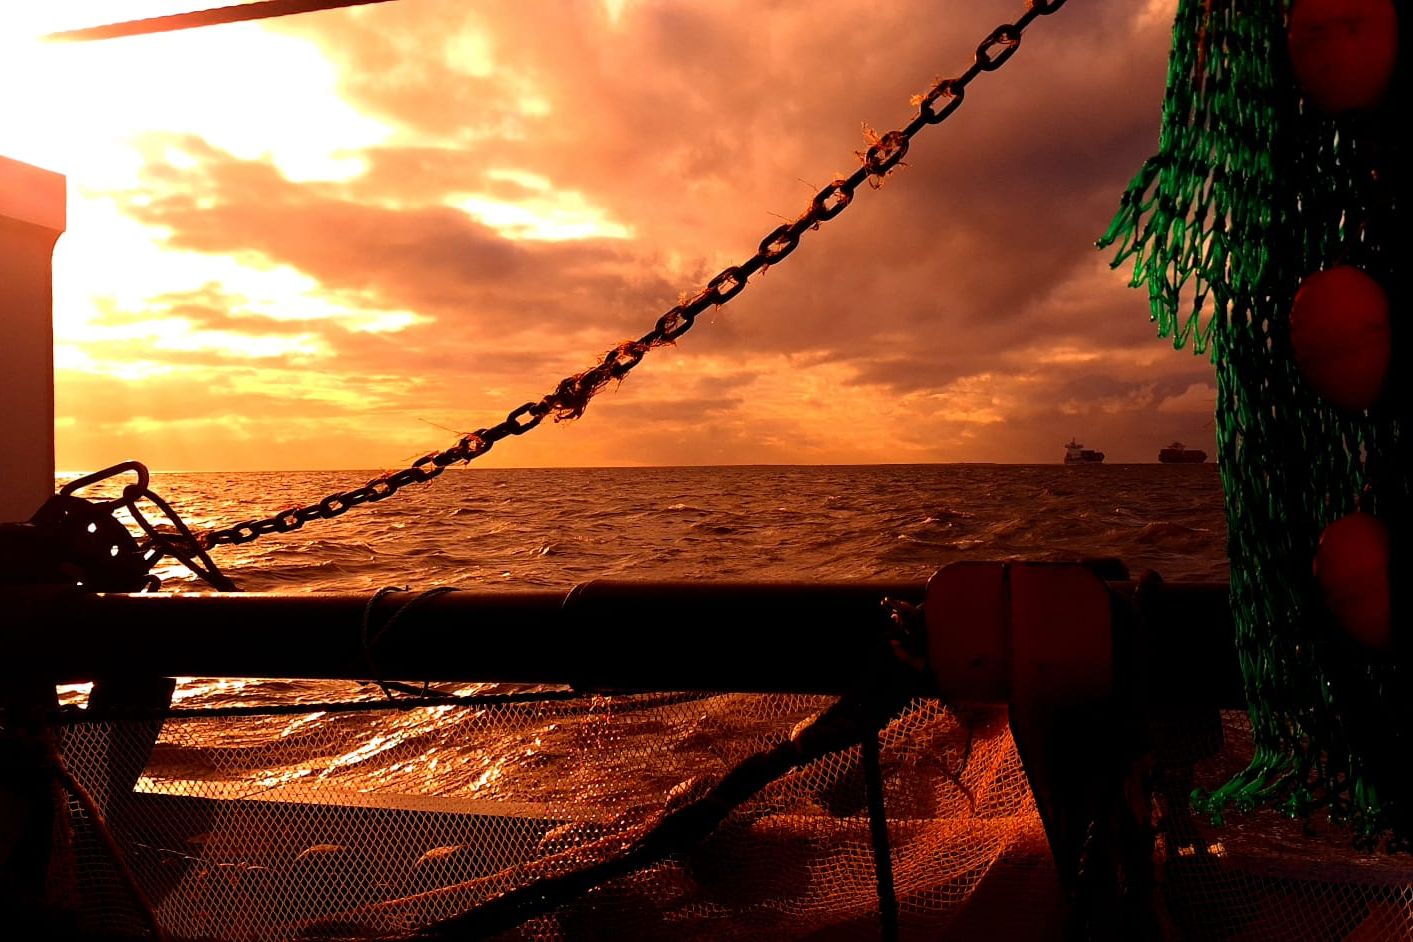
x=765 y=637
x=684 y=636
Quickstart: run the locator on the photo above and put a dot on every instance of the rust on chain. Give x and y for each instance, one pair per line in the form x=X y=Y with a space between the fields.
x=571 y=397
x=884 y=154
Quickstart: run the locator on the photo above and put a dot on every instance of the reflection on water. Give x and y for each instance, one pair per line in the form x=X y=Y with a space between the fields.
x=557 y=527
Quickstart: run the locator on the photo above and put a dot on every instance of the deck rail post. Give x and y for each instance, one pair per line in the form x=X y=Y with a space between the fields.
x=32 y=217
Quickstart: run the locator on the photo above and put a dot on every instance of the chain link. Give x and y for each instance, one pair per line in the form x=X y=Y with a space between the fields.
x=570 y=398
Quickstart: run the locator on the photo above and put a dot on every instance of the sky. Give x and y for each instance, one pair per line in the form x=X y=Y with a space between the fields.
x=341 y=239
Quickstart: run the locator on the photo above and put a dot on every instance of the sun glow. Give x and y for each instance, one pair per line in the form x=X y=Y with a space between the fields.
x=555 y=216
x=88 y=109
x=242 y=88
x=318 y=230
x=544 y=213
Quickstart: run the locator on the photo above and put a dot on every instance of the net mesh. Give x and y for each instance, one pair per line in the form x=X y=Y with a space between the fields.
x=378 y=823
x=1262 y=874
x=1251 y=191
x=382 y=823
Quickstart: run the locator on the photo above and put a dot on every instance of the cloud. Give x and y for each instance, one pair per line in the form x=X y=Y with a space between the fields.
x=425 y=257
x=554 y=178
x=1196 y=398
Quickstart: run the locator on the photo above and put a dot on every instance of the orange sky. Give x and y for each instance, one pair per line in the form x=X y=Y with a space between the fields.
x=339 y=239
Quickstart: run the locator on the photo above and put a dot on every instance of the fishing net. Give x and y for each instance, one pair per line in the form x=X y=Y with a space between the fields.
x=384 y=820
x=1251 y=191
x=387 y=819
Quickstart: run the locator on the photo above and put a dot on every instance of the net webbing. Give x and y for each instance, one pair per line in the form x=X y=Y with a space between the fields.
x=388 y=823
x=1251 y=191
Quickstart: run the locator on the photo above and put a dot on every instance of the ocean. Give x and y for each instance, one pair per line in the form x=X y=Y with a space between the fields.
x=552 y=528
x=601 y=769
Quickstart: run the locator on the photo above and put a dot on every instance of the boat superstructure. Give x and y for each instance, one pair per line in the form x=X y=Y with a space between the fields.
x=1177 y=453
x=1075 y=453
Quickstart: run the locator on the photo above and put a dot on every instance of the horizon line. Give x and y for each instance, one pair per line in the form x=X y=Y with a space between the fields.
x=629 y=467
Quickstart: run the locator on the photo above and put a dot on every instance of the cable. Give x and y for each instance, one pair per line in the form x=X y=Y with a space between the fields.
x=241 y=12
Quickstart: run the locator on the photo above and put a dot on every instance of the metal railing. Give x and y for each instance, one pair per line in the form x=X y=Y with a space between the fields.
x=764 y=637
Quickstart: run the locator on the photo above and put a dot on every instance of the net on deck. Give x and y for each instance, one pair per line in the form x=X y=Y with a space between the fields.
x=387 y=823
x=382 y=823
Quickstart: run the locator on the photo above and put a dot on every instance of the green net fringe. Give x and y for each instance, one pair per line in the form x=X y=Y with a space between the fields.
x=1251 y=191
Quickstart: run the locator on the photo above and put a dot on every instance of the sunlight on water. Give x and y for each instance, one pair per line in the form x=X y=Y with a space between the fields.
x=75 y=695
x=555 y=528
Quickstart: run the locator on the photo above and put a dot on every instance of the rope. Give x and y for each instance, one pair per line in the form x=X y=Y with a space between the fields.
x=88 y=536
x=878 y=831
x=189 y=551
x=239 y=13
x=848 y=722
x=371 y=638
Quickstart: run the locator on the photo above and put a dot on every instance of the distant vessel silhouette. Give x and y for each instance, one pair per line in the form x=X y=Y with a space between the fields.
x=1177 y=453
x=1075 y=453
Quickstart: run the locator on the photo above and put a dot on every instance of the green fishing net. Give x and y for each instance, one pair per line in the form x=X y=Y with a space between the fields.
x=1251 y=190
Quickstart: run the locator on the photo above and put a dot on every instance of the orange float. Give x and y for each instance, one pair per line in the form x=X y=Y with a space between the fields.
x=1341 y=337
x=1343 y=52
x=1352 y=568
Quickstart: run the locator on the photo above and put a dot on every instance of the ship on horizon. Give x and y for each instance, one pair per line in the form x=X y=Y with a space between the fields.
x=1075 y=453
x=1177 y=453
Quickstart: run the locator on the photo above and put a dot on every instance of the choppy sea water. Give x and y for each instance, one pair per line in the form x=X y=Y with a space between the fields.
x=557 y=527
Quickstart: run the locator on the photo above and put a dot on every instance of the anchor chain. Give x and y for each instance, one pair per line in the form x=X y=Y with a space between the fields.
x=569 y=399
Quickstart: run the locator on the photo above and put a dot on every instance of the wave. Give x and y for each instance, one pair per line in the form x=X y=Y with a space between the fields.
x=558 y=528
x=721 y=529
x=947 y=516
x=1167 y=530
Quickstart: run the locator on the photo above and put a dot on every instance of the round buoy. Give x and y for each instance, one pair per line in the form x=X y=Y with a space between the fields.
x=1343 y=52
x=1340 y=335
x=1352 y=568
